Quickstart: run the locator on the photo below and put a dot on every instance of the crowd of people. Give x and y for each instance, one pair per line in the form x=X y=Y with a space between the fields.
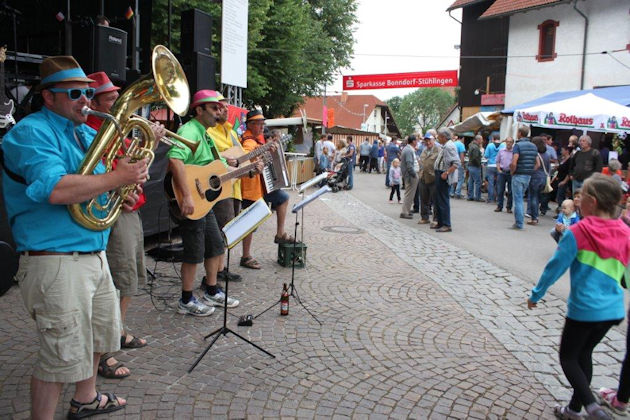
x=514 y=174
x=76 y=280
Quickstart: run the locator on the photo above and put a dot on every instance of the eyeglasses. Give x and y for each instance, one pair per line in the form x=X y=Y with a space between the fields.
x=214 y=107
x=75 y=93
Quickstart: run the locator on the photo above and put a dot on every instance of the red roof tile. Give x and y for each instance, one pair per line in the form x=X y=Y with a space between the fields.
x=462 y=3
x=505 y=7
x=348 y=108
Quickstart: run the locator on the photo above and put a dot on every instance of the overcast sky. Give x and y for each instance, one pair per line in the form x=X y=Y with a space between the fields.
x=398 y=36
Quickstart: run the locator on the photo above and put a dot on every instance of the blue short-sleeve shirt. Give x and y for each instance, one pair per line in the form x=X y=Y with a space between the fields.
x=42 y=149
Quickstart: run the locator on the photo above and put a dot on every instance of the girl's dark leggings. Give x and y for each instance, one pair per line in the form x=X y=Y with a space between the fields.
x=623 y=393
x=579 y=338
x=396 y=188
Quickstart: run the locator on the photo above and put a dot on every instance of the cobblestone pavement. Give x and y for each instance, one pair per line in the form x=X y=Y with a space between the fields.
x=412 y=328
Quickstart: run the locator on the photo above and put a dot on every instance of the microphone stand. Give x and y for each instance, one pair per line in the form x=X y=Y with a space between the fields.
x=293 y=290
x=224 y=330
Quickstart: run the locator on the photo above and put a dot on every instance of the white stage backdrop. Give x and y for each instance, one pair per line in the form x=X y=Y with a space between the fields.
x=234 y=43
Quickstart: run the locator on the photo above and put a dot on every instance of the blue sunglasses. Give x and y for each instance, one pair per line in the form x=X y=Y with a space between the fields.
x=75 y=93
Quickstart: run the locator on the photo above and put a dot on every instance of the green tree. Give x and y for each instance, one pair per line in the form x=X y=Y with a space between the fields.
x=394 y=104
x=423 y=109
x=294 y=46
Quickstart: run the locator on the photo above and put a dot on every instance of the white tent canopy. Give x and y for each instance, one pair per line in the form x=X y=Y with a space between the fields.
x=587 y=112
x=476 y=122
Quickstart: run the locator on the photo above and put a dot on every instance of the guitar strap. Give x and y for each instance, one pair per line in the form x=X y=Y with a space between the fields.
x=12 y=175
x=213 y=148
x=232 y=135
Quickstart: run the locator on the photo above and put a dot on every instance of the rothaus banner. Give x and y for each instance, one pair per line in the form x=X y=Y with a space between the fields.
x=587 y=112
x=422 y=79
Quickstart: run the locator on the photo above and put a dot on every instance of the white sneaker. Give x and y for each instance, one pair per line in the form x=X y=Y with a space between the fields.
x=219 y=299
x=608 y=397
x=194 y=308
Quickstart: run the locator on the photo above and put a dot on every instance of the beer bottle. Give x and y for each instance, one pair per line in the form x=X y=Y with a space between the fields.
x=284 y=301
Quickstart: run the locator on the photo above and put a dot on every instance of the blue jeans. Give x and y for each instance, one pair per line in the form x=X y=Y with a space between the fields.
x=536 y=185
x=474 y=182
x=519 y=184
x=389 y=165
x=350 y=174
x=504 y=178
x=562 y=193
x=576 y=185
x=442 y=201
x=455 y=190
x=491 y=176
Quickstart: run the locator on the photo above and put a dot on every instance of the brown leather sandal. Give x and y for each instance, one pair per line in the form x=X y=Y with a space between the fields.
x=107 y=371
x=284 y=239
x=250 y=262
x=135 y=342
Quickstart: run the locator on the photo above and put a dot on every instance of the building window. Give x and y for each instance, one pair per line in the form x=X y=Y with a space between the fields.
x=547 y=40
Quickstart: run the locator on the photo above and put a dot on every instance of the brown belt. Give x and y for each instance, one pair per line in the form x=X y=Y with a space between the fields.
x=38 y=253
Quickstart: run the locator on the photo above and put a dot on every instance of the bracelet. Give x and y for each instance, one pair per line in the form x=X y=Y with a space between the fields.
x=251 y=173
x=237 y=163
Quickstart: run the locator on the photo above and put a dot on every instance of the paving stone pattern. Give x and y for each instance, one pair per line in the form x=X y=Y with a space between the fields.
x=493 y=297
x=412 y=328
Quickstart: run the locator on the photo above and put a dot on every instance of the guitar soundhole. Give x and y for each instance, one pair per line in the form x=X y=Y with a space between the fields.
x=212 y=195
x=215 y=183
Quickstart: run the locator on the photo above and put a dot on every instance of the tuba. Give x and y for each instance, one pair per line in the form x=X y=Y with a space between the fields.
x=166 y=83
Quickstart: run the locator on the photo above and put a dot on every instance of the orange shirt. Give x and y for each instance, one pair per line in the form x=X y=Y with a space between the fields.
x=251 y=188
x=606 y=171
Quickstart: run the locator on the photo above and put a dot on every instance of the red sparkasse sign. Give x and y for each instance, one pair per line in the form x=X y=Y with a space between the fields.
x=422 y=79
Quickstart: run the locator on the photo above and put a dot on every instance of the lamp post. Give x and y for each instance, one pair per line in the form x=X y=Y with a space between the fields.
x=363 y=122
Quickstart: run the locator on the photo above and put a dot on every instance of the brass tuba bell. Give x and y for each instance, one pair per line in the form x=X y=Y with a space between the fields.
x=166 y=83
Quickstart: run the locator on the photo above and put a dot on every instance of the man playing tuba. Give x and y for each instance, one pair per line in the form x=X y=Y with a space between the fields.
x=64 y=276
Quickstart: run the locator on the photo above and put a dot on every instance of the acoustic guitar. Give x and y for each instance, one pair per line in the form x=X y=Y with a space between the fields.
x=208 y=185
x=6 y=104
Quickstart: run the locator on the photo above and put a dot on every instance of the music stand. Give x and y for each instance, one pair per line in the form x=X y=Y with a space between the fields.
x=233 y=233
x=292 y=289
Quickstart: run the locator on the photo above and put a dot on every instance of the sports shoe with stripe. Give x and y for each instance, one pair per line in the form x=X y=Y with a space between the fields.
x=218 y=299
x=194 y=308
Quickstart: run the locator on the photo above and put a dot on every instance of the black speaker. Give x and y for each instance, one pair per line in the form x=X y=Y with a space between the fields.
x=200 y=71
x=196 y=32
x=110 y=52
x=101 y=48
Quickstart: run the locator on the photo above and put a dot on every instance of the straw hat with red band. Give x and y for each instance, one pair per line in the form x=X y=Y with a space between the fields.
x=63 y=68
x=101 y=83
x=205 y=96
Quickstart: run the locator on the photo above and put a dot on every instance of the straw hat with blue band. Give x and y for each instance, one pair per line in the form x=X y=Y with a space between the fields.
x=63 y=68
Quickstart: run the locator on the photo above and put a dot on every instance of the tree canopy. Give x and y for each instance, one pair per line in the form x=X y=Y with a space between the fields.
x=421 y=109
x=294 y=46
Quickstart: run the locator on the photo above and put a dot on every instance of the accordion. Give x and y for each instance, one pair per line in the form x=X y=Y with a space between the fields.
x=275 y=174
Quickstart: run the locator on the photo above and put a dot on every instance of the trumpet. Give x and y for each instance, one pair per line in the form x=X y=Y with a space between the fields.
x=192 y=145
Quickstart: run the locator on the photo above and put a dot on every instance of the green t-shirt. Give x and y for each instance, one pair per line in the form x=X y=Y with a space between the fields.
x=206 y=151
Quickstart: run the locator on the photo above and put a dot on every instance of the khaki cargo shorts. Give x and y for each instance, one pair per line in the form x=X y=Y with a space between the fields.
x=76 y=311
x=125 y=253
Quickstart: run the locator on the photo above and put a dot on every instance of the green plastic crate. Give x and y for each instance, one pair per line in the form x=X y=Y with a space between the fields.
x=286 y=255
